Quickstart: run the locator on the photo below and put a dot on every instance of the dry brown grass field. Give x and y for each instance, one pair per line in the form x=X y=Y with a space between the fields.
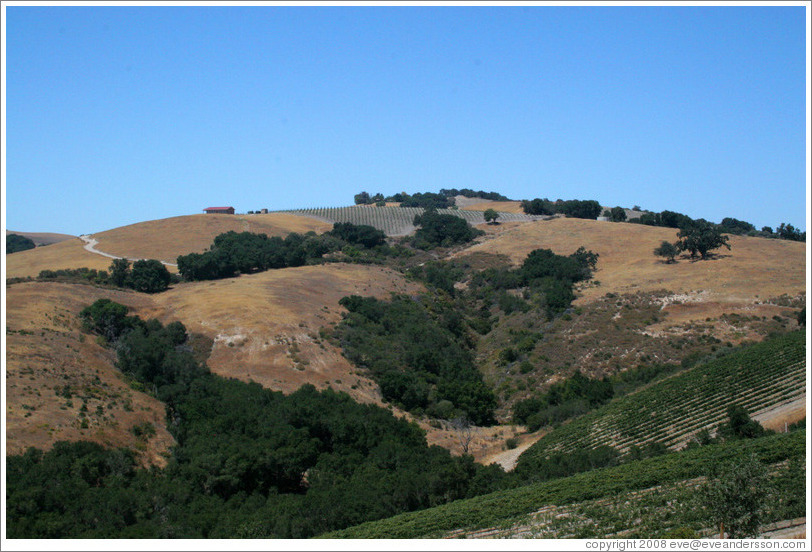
x=166 y=239
x=501 y=206
x=47 y=351
x=66 y=254
x=43 y=238
x=752 y=271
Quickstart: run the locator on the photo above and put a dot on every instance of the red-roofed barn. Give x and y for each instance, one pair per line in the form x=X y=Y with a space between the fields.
x=219 y=210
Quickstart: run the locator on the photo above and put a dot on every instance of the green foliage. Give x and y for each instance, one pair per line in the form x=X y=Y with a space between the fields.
x=490 y=216
x=440 y=275
x=667 y=250
x=701 y=237
x=539 y=206
x=82 y=275
x=428 y=200
x=248 y=462
x=740 y=425
x=436 y=230
x=418 y=352
x=735 y=497
x=573 y=396
x=667 y=219
x=467 y=192
x=505 y=507
x=16 y=242
x=107 y=318
x=120 y=272
x=735 y=226
x=363 y=199
x=675 y=409
x=245 y=252
x=789 y=232
x=358 y=234
x=149 y=276
x=585 y=209
x=617 y=214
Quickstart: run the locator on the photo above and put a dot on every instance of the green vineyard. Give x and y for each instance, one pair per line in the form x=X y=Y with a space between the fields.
x=397 y=221
x=758 y=378
x=508 y=509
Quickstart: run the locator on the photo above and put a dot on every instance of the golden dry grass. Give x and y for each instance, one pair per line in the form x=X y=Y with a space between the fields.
x=166 y=239
x=46 y=350
x=66 y=254
x=754 y=269
x=266 y=326
x=501 y=206
x=43 y=238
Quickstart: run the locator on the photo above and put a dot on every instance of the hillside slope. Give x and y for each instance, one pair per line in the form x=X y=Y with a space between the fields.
x=166 y=239
x=763 y=377
x=505 y=513
x=62 y=255
x=753 y=271
x=42 y=238
x=57 y=377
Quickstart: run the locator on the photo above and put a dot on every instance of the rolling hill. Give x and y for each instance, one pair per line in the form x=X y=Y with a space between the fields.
x=267 y=327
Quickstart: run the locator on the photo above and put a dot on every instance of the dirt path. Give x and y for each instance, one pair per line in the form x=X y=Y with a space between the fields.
x=508 y=458
x=91 y=243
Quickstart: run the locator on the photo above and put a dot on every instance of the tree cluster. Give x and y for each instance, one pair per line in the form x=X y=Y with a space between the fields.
x=16 y=242
x=420 y=355
x=546 y=279
x=574 y=396
x=234 y=253
x=437 y=230
x=575 y=208
x=147 y=276
x=249 y=462
x=427 y=200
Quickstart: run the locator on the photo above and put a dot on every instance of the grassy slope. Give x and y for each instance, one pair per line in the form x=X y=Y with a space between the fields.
x=46 y=351
x=627 y=264
x=66 y=254
x=285 y=308
x=759 y=377
x=166 y=239
x=508 y=507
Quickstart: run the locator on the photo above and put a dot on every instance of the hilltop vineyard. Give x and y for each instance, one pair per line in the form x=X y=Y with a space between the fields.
x=396 y=221
x=758 y=378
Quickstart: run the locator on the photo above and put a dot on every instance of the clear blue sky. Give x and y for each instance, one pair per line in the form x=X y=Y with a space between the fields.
x=117 y=115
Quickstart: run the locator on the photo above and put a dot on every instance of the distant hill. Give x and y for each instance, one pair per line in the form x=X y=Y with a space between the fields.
x=42 y=238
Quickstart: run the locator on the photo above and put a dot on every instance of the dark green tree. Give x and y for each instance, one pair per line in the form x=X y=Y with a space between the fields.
x=735 y=498
x=362 y=198
x=120 y=272
x=667 y=250
x=16 y=242
x=701 y=237
x=106 y=318
x=618 y=214
x=740 y=426
x=149 y=276
x=490 y=216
